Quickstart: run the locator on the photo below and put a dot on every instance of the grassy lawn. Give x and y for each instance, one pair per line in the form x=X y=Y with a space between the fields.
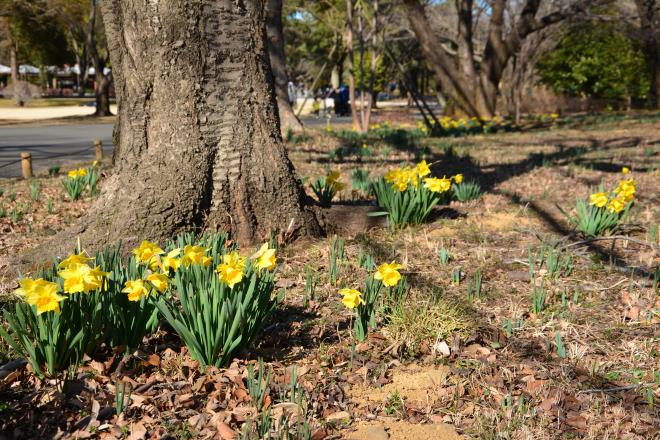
x=47 y=102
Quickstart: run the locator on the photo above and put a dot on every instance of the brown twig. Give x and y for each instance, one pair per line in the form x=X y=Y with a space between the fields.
x=615 y=389
x=612 y=237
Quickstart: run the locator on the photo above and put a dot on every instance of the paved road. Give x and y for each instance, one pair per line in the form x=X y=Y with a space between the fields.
x=60 y=144
x=50 y=145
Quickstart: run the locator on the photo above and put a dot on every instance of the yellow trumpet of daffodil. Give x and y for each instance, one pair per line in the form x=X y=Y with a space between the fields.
x=170 y=262
x=146 y=251
x=616 y=204
x=159 y=280
x=422 y=169
x=82 y=278
x=625 y=170
x=193 y=255
x=230 y=271
x=40 y=293
x=351 y=298
x=388 y=273
x=458 y=178
x=265 y=258
x=598 y=199
x=135 y=290
x=80 y=258
x=80 y=172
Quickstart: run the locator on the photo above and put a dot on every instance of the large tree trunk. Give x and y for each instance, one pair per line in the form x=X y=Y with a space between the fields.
x=649 y=16
x=288 y=119
x=197 y=138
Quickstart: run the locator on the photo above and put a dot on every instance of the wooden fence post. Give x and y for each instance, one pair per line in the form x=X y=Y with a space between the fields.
x=26 y=165
x=99 y=149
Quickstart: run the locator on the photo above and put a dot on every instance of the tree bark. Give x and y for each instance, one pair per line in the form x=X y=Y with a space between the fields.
x=101 y=80
x=649 y=16
x=357 y=123
x=476 y=94
x=197 y=141
x=15 y=80
x=288 y=119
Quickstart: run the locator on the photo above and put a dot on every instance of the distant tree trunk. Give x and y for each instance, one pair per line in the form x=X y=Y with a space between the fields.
x=351 y=62
x=649 y=15
x=102 y=81
x=102 y=92
x=15 y=80
x=473 y=87
x=277 y=58
x=197 y=141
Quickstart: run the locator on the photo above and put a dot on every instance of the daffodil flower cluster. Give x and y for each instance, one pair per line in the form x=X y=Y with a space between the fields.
x=402 y=178
x=232 y=269
x=80 y=172
x=449 y=124
x=604 y=211
x=386 y=275
x=616 y=200
x=77 y=277
x=327 y=187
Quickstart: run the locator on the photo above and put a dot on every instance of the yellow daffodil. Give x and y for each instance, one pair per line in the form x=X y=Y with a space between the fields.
x=230 y=271
x=598 y=199
x=80 y=258
x=193 y=255
x=351 y=298
x=159 y=281
x=74 y=174
x=332 y=177
x=48 y=300
x=458 y=178
x=82 y=278
x=265 y=258
x=95 y=163
x=146 y=251
x=40 y=293
x=45 y=297
x=625 y=170
x=422 y=169
x=388 y=273
x=27 y=287
x=616 y=204
x=626 y=190
x=554 y=115
x=437 y=185
x=135 y=290
x=170 y=262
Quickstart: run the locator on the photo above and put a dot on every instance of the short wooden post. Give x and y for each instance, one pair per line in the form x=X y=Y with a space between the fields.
x=26 y=164
x=99 y=149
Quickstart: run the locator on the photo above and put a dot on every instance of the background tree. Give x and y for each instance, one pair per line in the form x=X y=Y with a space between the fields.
x=288 y=119
x=197 y=137
x=468 y=74
x=596 y=60
x=34 y=36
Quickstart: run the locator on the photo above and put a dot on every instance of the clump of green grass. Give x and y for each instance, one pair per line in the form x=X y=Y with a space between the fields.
x=417 y=322
x=360 y=180
x=466 y=191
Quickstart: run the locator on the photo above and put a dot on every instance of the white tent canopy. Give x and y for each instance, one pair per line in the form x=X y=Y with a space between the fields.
x=4 y=70
x=24 y=69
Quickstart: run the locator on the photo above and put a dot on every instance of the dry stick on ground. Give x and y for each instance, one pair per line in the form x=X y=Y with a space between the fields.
x=612 y=237
x=615 y=389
